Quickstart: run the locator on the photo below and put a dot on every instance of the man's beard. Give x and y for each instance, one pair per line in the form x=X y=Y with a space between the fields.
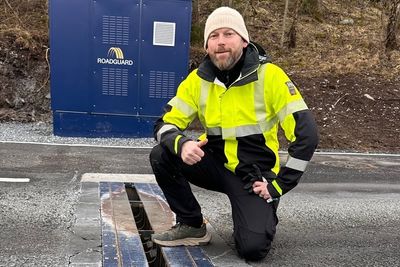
x=228 y=63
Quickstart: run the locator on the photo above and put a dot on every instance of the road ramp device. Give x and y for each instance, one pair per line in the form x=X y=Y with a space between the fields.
x=115 y=64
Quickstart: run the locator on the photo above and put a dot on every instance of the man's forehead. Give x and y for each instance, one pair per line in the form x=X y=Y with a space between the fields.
x=223 y=30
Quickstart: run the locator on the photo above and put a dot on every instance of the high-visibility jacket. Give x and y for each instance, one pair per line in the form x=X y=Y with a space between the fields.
x=241 y=122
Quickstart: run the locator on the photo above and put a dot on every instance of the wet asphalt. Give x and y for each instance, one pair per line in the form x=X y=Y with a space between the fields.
x=345 y=212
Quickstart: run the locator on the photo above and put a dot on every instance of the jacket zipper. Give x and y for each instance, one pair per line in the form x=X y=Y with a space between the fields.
x=241 y=78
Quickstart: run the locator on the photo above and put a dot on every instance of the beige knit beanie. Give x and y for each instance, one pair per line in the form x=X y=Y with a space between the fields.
x=225 y=17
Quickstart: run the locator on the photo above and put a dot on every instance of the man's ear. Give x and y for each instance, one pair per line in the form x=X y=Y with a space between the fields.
x=245 y=44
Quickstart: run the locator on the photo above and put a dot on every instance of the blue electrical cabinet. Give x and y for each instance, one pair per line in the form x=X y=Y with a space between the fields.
x=115 y=63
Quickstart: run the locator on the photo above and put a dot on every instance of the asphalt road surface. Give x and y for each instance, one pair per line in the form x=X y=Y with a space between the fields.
x=345 y=212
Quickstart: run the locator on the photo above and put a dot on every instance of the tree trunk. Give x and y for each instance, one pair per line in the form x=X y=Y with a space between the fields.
x=284 y=23
x=391 y=29
x=293 y=32
x=195 y=11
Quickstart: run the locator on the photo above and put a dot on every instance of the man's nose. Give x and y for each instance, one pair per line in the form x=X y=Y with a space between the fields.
x=221 y=40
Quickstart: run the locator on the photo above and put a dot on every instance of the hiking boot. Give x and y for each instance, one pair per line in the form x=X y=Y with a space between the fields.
x=183 y=235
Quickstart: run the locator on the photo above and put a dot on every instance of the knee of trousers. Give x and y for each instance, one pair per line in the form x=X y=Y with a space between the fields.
x=161 y=161
x=251 y=245
x=160 y=155
x=157 y=158
x=156 y=154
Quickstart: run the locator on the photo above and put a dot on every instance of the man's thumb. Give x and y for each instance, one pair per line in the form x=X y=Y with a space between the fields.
x=202 y=142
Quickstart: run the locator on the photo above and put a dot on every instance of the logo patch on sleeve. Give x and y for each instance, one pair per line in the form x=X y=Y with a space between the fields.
x=291 y=87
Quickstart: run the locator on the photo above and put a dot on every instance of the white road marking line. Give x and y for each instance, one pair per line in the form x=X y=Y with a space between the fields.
x=15 y=180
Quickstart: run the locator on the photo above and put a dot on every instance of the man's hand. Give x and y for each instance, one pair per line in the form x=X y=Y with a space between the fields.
x=257 y=184
x=260 y=188
x=191 y=151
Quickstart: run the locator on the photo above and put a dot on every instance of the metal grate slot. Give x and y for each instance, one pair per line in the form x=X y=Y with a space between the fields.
x=114 y=82
x=130 y=213
x=161 y=84
x=115 y=30
x=143 y=225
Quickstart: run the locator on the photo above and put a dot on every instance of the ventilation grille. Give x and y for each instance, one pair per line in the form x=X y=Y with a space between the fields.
x=164 y=33
x=115 y=30
x=114 y=82
x=162 y=84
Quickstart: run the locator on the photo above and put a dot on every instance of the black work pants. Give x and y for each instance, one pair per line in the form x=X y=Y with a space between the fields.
x=254 y=219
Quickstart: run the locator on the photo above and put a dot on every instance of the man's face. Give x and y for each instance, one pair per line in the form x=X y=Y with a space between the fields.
x=225 y=47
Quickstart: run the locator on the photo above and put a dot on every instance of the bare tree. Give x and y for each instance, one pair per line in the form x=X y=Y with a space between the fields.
x=393 y=8
x=285 y=14
x=195 y=11
x=293 y=32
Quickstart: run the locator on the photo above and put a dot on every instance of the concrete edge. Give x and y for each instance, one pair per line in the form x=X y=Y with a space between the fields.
x=85 y=246
x=118 y=177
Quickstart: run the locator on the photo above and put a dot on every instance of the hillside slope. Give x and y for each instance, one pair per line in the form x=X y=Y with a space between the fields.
x=350 y=83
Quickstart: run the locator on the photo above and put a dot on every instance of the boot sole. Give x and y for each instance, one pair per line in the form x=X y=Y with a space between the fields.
x=190 y=241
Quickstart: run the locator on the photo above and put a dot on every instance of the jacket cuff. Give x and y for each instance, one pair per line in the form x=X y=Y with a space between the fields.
x=179 y=141
x=274 y=189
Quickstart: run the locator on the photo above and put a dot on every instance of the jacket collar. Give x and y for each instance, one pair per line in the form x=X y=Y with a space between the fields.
x=254 y=56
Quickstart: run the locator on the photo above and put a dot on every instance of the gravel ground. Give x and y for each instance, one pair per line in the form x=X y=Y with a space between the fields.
x=43 y=133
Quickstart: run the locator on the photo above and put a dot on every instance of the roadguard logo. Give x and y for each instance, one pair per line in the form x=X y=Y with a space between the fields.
x=115 y=57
